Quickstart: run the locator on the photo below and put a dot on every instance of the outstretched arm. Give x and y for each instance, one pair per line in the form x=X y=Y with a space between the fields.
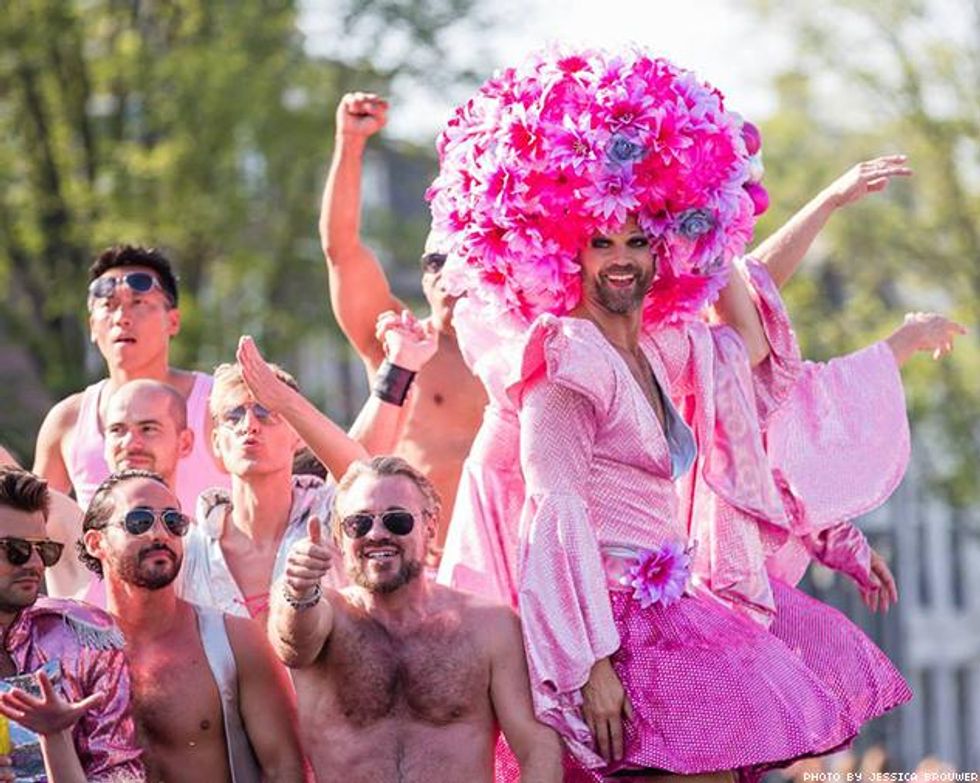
x=52 y=718
x=359 y=290
x=925 y=332
x=537 y=747
x=783 y=251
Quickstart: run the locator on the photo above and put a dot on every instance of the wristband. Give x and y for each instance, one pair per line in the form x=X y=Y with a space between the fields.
x=392 y=382
x=299 y=604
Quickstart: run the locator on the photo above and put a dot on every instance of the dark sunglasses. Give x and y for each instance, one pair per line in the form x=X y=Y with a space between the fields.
x=236 y=415
x=399 y=523
x=433 y=262
x=139 y=520
x=18 y=550
x=137 y=282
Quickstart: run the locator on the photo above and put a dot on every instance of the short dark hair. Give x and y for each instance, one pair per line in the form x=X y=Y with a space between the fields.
x=305 y=463
x=100 y=511
x=24 y=491
x=137 y=255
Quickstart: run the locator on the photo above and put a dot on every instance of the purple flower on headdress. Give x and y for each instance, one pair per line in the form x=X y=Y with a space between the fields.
x=622 y=152
x=660 y=575
x=693 y=223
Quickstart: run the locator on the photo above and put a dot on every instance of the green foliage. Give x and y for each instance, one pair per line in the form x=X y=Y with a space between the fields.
x=200 y=126
x=872 y=77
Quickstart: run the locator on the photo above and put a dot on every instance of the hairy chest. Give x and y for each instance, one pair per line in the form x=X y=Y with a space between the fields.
x=432 y=674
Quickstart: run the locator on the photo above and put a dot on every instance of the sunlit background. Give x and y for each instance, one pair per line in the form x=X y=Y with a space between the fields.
x=206 y=127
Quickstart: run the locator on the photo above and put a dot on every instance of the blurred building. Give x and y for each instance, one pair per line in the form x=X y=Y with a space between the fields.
x=933 y=634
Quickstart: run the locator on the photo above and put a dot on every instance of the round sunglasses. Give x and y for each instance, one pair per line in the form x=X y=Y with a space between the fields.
x=18 y=550
x=139 y=520
x=399 y=523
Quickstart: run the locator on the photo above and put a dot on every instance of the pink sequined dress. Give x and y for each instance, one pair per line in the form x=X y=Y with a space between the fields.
x=837 y=439
x=711 y=689
x=481 y=545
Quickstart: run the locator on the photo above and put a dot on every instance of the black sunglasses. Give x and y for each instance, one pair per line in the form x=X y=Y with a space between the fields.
x=400 y=523
x=137 y=282
x=433 y=262
x=18 y=550
x=139 y=520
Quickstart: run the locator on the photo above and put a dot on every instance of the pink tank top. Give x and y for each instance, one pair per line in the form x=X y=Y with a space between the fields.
x=196 y=472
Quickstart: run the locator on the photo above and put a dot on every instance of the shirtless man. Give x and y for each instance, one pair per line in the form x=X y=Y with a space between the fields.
x=446 y=391
x=399 y=678
x=133 y=314
x=209 y=698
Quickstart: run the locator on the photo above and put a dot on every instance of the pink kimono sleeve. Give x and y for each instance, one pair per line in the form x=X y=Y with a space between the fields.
x=564 y=603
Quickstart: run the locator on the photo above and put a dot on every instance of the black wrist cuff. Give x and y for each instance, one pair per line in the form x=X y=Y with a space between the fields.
x=392 y=383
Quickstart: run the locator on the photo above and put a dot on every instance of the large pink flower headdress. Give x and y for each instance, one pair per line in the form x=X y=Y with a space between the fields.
x=570 y=144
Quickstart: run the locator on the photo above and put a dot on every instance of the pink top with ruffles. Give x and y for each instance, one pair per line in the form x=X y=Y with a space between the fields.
x=598 y=474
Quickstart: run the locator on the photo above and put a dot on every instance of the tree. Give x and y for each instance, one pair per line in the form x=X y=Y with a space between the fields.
x=202 y=127
x=871 y=77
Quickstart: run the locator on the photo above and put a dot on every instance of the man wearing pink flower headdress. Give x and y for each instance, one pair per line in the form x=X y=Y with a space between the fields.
x=445 y=390
x=594 y=203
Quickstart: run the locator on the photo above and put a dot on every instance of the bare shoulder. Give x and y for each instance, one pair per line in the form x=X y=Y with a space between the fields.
x=63 y=415
x=182 y=380
x=491 y=621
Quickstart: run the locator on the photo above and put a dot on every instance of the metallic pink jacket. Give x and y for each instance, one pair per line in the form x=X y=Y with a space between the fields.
x=89 y=647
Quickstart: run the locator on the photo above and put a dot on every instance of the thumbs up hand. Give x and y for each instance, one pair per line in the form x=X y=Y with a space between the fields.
x=307 y=563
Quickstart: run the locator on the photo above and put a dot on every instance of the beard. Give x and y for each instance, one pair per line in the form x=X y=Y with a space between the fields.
x=137 y=571
x=623 y=300
x=407 y=571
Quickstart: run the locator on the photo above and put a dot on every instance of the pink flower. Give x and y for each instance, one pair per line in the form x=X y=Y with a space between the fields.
x=660 y=575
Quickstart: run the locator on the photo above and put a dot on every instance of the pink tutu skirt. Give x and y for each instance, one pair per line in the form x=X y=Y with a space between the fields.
x=713 y=691
x=839 y=653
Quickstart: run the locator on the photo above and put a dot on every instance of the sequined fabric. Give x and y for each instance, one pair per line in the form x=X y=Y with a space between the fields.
x=88 y=646
x=839 y=653
x=598 y=473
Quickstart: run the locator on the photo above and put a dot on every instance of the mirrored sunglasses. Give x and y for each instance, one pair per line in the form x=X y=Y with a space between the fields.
x=137 y=282
x=18 y=550
x=399 y=523
x=139 y=520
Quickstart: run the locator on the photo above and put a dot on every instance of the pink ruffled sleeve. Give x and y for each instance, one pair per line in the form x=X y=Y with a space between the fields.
x=563 y=600
x=839 y=442
x=774 y=377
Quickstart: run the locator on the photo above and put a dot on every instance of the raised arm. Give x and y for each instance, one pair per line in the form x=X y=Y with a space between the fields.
x=783 y=251
x=266 y=700
x=408 y=344
x=359 y=290
x=68 y=578
x=736 y=308
x=537 y=747
x=300 y=618
x=331 y=445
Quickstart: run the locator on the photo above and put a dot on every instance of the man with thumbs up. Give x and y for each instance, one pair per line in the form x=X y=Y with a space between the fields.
x=398 y=678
